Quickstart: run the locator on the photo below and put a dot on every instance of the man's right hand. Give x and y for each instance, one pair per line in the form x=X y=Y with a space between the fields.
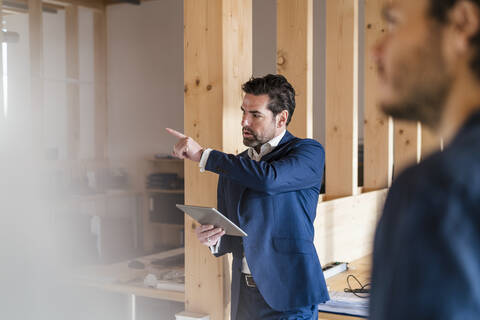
x=208 y=234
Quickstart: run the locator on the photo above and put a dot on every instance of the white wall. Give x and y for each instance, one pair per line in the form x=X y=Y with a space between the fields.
x=145 y=77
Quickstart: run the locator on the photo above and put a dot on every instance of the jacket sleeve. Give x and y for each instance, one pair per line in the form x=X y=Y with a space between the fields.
x=300 y=168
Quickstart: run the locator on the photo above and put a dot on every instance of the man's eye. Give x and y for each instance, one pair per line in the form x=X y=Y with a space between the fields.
x=256 y=115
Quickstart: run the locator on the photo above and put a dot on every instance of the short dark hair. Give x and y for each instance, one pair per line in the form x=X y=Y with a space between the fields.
x=439 y=10
x=278 y=89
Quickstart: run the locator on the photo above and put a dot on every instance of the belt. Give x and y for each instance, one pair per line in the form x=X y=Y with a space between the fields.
x=249 y=280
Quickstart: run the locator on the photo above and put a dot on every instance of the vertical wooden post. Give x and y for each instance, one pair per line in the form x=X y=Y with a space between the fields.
x=342 y=98
x=295 y=59
x=431 y=142
x=218 y=59
x=100 y=80
x=35 y=21
x=73 y=89
x=378 y=128
x=407 y=146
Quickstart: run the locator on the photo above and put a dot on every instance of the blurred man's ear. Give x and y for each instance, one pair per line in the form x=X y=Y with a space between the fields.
x=465 y=19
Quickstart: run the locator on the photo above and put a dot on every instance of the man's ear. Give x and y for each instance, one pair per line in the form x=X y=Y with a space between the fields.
x=465 y=19
x=282 y=118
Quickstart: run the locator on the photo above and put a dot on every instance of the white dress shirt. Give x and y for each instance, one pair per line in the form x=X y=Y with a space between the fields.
x=252 y=153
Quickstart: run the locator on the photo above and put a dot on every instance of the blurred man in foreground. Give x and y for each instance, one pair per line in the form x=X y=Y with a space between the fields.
x=426 y=259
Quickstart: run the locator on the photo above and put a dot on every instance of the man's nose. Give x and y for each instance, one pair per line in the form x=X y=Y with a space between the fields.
x=244 y=121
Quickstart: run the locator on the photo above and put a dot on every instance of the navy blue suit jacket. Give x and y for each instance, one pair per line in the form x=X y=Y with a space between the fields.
x=274 y=201
x=426 y=260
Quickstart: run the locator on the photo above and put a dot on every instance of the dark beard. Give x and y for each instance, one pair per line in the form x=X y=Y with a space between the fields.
x=426 y=106
x=251 y=142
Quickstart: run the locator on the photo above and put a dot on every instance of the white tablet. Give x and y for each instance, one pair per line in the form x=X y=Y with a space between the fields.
x=206 y=215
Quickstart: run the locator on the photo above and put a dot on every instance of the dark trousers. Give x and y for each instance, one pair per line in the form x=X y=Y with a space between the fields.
x=252 y=306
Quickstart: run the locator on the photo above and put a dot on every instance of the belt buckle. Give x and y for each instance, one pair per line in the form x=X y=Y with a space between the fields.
x=249 y=281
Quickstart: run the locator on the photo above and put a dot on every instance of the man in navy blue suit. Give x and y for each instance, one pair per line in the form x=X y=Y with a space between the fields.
x=426 y=260
x=271 y=191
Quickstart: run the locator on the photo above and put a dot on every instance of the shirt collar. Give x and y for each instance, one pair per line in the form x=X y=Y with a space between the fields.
x=266 y=147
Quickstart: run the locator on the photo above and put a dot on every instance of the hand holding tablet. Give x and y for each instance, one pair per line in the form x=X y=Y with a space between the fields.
x=211 y=216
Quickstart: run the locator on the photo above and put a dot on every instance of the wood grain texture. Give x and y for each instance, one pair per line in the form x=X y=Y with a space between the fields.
x=295 y=59
x=341 y=112
x=378 y=128
x=218 y=59
x=431 y=142
x=344 y=227
x=407 y=145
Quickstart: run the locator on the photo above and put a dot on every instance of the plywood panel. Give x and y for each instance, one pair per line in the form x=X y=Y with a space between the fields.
x=344 y=228
x=217 y=51
x=73 y=90
x=100 y=80
x=342 y=98
x=295 y=59
x=407 y=145
x=378 y=128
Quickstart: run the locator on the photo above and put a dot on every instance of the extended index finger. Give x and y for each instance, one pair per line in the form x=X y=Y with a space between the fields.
x=176 y=133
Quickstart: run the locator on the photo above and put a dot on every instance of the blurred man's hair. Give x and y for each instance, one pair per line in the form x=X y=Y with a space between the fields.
x=278 y=89
x=439 y=10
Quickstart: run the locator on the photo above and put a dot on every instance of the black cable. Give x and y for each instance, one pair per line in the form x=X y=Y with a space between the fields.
x=362 y=292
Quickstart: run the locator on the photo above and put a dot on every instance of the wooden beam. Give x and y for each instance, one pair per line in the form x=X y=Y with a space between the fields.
x=218 y=59
x=344 y=227
x=295 y=59
x=22 y=6
x=96 y=5
x=378 y=128
x=73 y=89
x=407 y=145
x=237 y=68
x=100 y=80
x=341 y=98
x=431 y=142
x=35 y=21
x=9 y=11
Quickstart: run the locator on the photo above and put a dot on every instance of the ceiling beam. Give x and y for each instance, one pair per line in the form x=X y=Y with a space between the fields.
x=21 y=6
x=96 y=5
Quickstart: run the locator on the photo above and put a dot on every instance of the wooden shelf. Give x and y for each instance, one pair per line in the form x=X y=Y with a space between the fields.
x=120 y=278
x=179 y=161
x=178 y=191
x=139 y=290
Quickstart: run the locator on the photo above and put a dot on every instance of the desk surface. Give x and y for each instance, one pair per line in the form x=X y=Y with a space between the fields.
x=360 y=268
x=122 y=279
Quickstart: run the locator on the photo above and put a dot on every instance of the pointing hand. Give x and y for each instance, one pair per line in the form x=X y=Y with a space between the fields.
x=186 y=147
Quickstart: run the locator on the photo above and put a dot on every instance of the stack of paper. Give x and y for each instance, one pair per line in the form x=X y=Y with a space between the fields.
x=345 y=303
